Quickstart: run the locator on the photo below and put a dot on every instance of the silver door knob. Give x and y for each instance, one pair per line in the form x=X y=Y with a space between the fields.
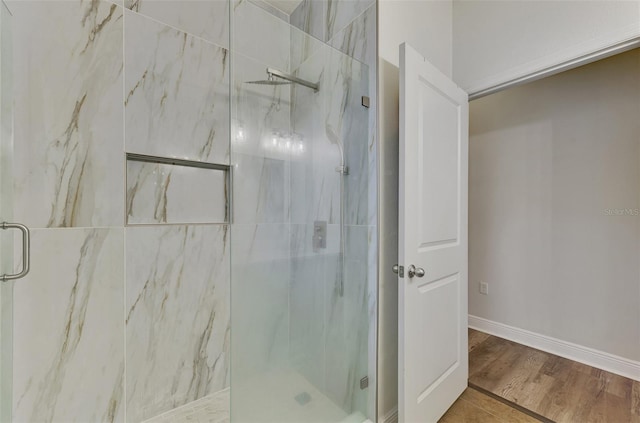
x=415 y=271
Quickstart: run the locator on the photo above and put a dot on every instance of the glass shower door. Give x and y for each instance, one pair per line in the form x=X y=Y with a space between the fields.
x=7 y=244
x=301 y=285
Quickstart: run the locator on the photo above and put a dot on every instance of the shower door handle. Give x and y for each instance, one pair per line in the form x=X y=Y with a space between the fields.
x=26 y=251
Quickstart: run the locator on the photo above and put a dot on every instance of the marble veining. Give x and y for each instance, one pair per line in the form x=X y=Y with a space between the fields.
x=358 y=39
x=68 y=133
x=323 y=19
x=342 y=134
x=177 y=316
x=206 y=19
x=339 y=13
x=163 y=193
x=68 y=349
x=214 y=408
x=177 y=93
x=309 y=17
x=347 y=124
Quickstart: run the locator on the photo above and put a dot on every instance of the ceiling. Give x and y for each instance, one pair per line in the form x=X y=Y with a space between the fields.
x=287 y=6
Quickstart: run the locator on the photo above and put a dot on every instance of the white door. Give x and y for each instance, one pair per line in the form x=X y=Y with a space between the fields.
x=433 y=357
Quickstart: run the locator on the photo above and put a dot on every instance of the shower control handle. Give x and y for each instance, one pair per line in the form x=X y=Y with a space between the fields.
x=415 y=271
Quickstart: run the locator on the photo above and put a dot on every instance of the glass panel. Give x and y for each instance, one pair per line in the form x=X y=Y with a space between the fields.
x=6 y=214
x=300 y=240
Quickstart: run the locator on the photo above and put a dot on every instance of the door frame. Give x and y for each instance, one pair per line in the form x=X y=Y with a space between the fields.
x=390 y=131
x=563 y=66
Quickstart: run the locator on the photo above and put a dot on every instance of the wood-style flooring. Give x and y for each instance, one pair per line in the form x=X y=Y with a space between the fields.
x=476 y=407
x=561 y=390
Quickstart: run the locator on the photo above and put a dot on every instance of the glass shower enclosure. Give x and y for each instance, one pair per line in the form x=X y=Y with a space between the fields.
x=6 y=214
x=302 y=287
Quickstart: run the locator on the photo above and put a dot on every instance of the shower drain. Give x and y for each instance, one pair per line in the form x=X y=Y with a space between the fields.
x=303 y=398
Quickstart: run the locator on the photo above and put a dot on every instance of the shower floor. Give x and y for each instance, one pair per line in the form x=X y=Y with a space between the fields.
x=268 y=398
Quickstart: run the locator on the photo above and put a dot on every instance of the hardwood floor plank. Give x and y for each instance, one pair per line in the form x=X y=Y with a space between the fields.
x=476 y=337
x=635 y=398
x=559 y=389
x=494 y=403
x=476 y=407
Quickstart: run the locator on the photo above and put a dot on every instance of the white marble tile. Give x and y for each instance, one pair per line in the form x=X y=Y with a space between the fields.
x=340 y=13
x=347 y=125
x=260 y=299
x=303 y=46
x=68 y=163
x=315 y=184
x=68 y=350
x=177 y=316
x=347 y=325
x=206 y=19
x=177 y=93
x=309 y=17
x=358 y=39
x=306 y=307
x=270 y=8
x=162 y=193
x=258 y=111
x=341 y=137
x=372 y=322
x=261 y=189
x=214 y=408
x=260 y=169
x=260 y=35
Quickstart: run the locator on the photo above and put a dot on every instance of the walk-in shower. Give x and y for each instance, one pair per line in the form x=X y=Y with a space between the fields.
x=302 y=284
x=200 y=179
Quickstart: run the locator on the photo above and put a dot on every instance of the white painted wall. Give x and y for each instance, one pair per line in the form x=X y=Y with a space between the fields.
x=427 y=26
x=497 y=41
x=547 y=160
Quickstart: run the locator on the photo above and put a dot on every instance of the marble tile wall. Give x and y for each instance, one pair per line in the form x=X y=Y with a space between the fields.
x=154 y=77
x=163 y=193
x=329 y=332
x=349 y=359
x=94 y=80
x=177 y=316
x=260 y=35
x=323 y=19
x=177 y=93
x=68 y=354
x=68 y=164
x=261 y=116
x=205 y=19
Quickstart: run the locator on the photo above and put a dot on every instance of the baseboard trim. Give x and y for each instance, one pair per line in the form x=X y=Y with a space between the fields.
x=589 y=356
x=391 y=416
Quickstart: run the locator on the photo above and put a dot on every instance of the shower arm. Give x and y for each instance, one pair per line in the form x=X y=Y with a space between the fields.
x=279 y=74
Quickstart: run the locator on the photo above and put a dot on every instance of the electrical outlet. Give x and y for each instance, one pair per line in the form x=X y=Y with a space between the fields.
x=484 y=288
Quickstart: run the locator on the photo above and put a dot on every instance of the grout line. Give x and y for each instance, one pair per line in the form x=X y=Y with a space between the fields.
x=190 y=34
x=511 y=404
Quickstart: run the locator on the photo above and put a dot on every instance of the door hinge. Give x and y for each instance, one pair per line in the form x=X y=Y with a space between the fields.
x=366 y=101
x=364 y=382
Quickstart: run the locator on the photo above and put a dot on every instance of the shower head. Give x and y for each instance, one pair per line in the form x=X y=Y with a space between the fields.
x=270 y=81
x=276 y=77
